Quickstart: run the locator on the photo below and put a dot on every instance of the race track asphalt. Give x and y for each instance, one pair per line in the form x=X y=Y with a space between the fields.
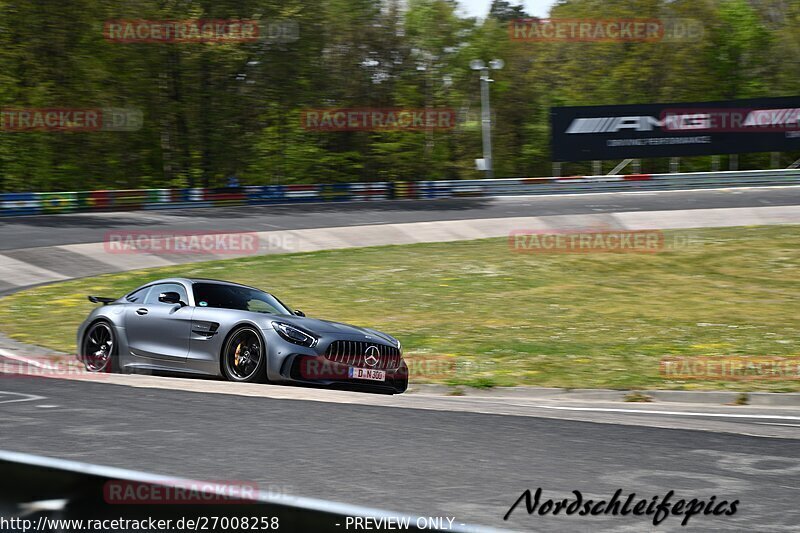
x=51 y=230
x=467 y=463
x=427 y=462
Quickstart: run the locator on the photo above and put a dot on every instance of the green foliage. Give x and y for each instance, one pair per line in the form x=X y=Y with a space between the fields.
x=216 y=109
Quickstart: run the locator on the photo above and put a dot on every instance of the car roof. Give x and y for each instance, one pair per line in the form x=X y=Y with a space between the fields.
x=199 y=280
x=220 y=282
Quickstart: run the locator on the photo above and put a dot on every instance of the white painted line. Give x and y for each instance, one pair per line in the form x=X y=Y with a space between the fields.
x=669 y=413
x=27 y=397
x=21 y=359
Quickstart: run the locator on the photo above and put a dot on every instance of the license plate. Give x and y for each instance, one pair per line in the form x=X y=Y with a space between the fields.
x=366 y=373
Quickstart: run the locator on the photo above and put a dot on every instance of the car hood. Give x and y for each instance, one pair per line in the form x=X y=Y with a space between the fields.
x=315 y=325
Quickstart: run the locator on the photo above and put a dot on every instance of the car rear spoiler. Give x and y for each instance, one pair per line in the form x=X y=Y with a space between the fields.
x=101 y=300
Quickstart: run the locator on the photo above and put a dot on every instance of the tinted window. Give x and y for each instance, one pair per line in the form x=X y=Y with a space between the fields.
x=161 y=288
x=233 y=297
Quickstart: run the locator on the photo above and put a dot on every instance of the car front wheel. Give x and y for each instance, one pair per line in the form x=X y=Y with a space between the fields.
x=244 y=356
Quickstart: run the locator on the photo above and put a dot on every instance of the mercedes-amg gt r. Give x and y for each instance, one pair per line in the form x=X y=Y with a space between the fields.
x=216 y=328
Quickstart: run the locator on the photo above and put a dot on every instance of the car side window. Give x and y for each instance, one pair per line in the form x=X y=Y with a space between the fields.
x=161 y=288
x=260 y=306
x=217 y=296
x=137 y=296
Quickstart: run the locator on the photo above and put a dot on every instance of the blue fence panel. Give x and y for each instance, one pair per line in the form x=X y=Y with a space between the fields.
x=267 y=194
x=20 y=203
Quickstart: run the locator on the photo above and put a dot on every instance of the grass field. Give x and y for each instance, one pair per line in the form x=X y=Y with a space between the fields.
x=505 y=318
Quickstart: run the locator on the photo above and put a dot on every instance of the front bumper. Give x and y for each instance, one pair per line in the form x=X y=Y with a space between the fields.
x=322 y=371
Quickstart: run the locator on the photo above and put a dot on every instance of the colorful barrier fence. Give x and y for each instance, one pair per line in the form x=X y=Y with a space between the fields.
x=31 y=203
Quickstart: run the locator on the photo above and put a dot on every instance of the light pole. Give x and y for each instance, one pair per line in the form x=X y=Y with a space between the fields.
x=486 y=113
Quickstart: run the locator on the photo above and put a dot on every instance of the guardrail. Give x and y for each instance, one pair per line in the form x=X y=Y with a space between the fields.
x=43 y=494
x=34 y=203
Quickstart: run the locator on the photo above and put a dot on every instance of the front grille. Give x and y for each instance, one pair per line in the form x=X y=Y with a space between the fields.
x=353 y=353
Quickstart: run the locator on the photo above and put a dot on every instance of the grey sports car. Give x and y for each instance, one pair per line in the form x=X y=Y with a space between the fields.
x=216 y=328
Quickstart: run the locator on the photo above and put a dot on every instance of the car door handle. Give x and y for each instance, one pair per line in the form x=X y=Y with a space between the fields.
x=141 y=311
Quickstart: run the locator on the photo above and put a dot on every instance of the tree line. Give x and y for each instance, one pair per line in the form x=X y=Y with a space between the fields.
x=216 y=109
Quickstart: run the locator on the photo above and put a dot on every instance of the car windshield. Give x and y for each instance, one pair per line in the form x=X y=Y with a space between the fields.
x=223 y=296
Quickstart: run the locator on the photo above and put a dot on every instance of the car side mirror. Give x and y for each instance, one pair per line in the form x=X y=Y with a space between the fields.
x=170 y=298
x=299 y=312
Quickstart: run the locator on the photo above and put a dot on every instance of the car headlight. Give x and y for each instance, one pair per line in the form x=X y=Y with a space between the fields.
x=294 y=335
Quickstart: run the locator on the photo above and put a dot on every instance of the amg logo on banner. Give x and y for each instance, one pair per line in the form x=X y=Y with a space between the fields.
x=665 y=130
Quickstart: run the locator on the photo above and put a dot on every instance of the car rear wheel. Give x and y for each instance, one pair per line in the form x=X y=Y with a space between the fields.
x=244 y=356
x=99 y=348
